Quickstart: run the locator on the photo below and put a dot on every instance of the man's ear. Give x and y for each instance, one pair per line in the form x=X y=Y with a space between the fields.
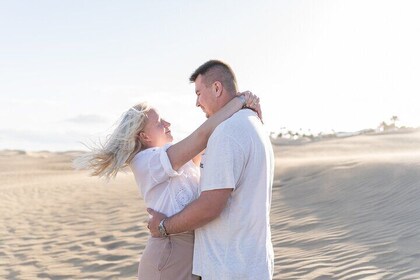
x=217 y=88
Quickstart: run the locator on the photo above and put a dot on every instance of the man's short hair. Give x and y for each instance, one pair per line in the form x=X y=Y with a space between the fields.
x=216 y=70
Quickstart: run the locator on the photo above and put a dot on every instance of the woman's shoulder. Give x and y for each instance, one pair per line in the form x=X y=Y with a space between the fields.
x=144 y=155
x=148 y=153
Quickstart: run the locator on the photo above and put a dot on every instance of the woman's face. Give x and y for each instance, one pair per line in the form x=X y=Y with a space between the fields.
x=156 y=133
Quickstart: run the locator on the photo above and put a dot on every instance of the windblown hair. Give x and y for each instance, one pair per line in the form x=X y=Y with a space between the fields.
x=105 y=160
x=216 y=70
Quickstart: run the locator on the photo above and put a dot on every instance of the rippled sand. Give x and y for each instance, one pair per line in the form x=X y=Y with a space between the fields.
x=58 y=223
x=342 y=209
x=348 y=209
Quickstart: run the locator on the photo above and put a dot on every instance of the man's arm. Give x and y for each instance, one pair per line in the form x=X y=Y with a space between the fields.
x=201 y=211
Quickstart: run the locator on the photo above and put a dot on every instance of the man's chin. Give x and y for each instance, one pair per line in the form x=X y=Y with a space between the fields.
x=205 y=113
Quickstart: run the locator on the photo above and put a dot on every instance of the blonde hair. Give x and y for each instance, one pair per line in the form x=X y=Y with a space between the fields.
x=105 y=160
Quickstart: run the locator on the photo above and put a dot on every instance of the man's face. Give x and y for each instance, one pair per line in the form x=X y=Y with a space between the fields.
x=206 y=99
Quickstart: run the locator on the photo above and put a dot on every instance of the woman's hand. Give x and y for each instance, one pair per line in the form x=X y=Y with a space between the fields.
x=252 y=102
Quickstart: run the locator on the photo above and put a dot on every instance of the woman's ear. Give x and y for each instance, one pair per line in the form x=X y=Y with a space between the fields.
x=142 y=137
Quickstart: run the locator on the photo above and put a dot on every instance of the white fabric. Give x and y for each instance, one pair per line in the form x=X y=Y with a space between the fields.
x=162 y=188
x=237 y=244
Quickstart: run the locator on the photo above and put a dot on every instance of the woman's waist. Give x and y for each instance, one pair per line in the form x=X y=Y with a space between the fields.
x=170 y=204
x=187 y=236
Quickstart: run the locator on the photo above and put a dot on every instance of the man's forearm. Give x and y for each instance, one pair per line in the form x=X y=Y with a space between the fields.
x=192 y=217
x=198 y=213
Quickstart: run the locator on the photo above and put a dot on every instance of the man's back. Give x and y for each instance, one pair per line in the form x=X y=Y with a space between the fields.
x=237 y=244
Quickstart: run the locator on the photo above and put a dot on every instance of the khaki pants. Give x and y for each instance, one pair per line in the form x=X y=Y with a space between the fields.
x=168 y=258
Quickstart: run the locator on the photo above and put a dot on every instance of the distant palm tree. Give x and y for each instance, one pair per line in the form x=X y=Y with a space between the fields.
x=394 y=119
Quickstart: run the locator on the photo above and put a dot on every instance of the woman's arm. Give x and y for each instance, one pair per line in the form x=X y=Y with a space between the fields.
x=183 y=151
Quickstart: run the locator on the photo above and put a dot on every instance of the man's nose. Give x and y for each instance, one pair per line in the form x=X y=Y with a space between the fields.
x=165 y=123
x=197 y=104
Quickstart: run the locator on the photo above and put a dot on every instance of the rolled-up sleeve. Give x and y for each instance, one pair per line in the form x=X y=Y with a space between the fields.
x=152 y=167
x=166 y=163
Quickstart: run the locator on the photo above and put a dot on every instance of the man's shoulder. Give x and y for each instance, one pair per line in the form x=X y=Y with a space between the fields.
x=237 y=128
x=242 y=117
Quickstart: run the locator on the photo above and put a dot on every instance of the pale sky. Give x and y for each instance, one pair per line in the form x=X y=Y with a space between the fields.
x=69 y=69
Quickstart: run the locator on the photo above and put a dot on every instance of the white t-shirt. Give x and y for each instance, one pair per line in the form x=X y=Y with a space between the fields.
x=162 y=188
x=237 y=244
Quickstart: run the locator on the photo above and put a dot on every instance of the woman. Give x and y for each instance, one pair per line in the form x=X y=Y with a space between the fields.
x=166 y=174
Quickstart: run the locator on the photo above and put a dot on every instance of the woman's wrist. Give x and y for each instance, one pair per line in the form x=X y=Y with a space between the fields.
x=243 y=100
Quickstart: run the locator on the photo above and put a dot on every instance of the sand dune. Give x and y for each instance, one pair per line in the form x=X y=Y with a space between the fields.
x=342 y=209
x=348 y=209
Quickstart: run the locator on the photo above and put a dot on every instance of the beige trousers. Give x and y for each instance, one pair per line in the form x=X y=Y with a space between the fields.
x=168 y=258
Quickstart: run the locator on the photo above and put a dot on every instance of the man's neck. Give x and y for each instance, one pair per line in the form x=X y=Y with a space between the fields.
x=225 y=99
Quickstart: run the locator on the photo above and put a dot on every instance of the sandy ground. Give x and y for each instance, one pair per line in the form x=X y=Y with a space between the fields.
x=345 y=208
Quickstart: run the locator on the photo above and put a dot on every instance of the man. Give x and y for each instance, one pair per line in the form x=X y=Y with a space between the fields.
x=231 y=217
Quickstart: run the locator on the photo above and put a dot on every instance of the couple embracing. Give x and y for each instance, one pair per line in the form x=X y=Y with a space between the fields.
x=209 y=195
